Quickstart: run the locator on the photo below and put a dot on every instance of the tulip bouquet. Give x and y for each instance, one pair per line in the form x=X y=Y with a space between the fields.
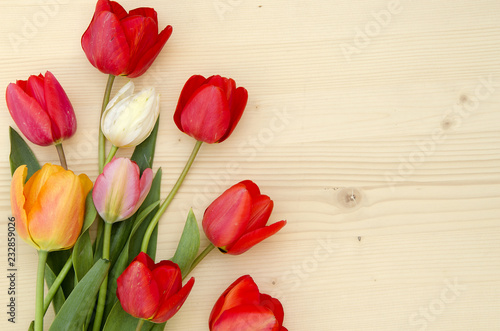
x=96 y=241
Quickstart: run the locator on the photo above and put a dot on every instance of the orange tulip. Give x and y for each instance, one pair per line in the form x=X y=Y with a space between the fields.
x=49 y=209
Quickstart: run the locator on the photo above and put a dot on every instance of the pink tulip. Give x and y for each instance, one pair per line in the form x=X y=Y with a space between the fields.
x=41 y=109
x=120 y=190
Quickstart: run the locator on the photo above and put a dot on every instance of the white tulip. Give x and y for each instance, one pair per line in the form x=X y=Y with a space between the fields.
x=129 y=118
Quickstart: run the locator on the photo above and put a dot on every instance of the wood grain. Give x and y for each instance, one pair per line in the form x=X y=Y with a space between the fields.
x=385 y=161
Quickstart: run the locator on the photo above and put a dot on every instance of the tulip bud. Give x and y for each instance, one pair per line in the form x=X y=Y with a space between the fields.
x=49 y=209
x=152 y=291
x=41 y=109
x=242 y=307
x=121 y=43
x=236 y=221
x=120 y=190
x=209 y=109
x=129 y=118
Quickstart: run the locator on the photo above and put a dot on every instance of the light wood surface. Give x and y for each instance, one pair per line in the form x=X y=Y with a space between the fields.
x=373 y=125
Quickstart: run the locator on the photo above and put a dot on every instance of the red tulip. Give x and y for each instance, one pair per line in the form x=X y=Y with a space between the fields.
x=209 y=109
x=118 y=43
x=242 y=307
x=152 y=291
x=236 y=221
x=41 y=109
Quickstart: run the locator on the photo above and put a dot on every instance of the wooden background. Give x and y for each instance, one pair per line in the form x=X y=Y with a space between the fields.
x=373 y=125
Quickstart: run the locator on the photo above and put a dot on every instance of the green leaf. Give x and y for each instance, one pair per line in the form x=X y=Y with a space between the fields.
x=73 y=313
x=83 y=256
x=90 y=212
x=21 y=153
x=189 y=244
x=58 y=300
x=32 y=326
x=56 y=261
x=136 y=241
x=158 y=327
x=120 y=320
x=144 y=152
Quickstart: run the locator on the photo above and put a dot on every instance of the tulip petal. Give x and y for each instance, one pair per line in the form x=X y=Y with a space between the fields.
x=17 y=201
x=170 y=307
x=36 y=182
x=35 y=88
x=246 y=318
x=273 y=305
x=250 y=239
x=141 y=33
x=150 y=55
x=145 y=185
x=192 y=84
x=30 y=117
x=56 y=218
x=102 y=5
x=226 y=218
x=242 y=291
x=146 y=12
x=59 y=109
x=137 y=291
x=206 y=115
x=146 y=260
x=168 y=278
x=116 y=190
x=262 y=207
x=105 y=44
x=118 y=10
x=252 y=188
x=236 y=106
x=126 y=91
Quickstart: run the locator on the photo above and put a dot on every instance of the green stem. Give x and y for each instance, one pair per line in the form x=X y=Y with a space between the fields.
x=170 y=197
x=111 y=154
x=104 y=285
x=62 y=156
x=139 y=325
x=42 y=259
x=57 y=283
x=102 y=139
x=198 y=259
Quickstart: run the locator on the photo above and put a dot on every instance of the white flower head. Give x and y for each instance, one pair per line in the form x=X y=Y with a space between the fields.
x=129 y=118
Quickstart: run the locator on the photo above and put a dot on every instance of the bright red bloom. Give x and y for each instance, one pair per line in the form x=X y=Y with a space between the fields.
x=41 y=109
x=118 y=43
x=152 y=291
x=209 y=109
x=242 y=307
x=236 y=221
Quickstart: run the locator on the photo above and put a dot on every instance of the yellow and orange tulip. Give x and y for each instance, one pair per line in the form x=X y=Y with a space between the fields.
x=49 y=209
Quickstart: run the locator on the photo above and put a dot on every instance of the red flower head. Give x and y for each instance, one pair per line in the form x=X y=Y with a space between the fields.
x=118 y=43
x=236 y=221
x=41 y=109
x=152 y=291
x=209 y=109
x=242 y=307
